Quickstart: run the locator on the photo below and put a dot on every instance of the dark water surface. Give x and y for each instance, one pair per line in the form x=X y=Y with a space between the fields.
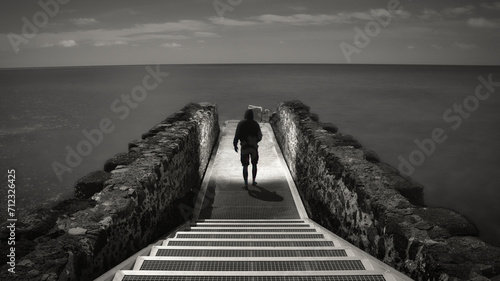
x=388 y=108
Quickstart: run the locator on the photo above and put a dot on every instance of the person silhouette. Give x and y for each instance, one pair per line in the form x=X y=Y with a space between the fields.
x=249 y=134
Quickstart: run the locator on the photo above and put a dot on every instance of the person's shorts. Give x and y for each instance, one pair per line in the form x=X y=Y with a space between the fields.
x=249 y=155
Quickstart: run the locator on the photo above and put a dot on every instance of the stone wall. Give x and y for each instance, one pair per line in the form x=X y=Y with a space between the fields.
x=373 y=206
x=139 y=203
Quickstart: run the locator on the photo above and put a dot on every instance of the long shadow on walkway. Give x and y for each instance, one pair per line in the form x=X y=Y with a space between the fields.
x=264 y=194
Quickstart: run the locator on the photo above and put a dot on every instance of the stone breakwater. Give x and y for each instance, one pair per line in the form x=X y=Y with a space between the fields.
x=347 y=190
x=139 y=202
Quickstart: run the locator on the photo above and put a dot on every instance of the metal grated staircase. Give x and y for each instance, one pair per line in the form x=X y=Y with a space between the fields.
x=263 y=234
x=258 y=250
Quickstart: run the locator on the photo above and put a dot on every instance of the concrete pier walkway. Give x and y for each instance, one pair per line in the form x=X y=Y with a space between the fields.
x=260 y=234
x=272 y=198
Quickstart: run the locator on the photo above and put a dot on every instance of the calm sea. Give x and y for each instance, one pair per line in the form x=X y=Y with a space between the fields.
x=387 y=108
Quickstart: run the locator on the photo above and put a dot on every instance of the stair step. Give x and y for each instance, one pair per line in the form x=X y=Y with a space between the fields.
x=168 y=251
x=251 y=221
x=246 y=264
x=250 y=243
x=128 y=275
x=252 y=225
x=194 y=235
x=330 y=247
x=251 y=229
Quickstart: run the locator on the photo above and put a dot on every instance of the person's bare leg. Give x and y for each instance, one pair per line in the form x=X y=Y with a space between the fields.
x=245 y=175
x=254 y=173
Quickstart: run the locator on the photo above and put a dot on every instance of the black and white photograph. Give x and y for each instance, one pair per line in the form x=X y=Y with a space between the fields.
x=250 y=140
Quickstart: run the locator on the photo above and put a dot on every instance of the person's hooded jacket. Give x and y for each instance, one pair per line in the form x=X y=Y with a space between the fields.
x=248 y=132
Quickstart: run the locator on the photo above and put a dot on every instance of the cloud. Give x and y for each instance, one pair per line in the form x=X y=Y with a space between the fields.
x=171 y=45
x=458 y=11
x=373 y=14
x=107 y=43
x=309 y=19
x=83 y=21
x=436 y=46
x=298 y=8
x=493 y=6
x=301 y=19
x=135 y=34
x=482 y=23
x=68 y=43
x=464 y=46
x=147 y=37
x=411 y=47
x=231 y=22
x=190 y=25
x=428 y=14
x=205 y=34
x=63 y=43
x=431 y=14
x=402 y=14
x=356 y=15
x=324 y=19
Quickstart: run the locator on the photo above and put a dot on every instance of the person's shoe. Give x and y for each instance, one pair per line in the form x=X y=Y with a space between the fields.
x=245 y=187
x=254 y=183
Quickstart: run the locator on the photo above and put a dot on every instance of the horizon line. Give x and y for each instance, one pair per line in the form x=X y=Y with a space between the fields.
x=265 y=63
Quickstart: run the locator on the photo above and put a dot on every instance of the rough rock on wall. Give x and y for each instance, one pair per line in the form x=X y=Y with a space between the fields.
x=90 y=184
x=139 y=203
x=346 y=189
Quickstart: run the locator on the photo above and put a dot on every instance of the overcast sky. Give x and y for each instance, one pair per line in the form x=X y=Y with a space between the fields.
x=109 y=32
